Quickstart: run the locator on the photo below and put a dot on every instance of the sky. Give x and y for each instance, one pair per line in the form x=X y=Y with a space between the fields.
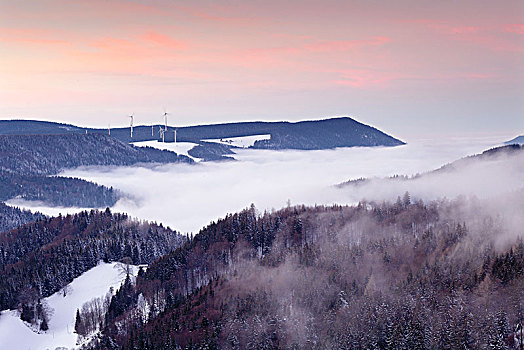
x=409 y=68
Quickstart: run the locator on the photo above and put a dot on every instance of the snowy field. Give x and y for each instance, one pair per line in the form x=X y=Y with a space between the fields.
x=178 y=147
x=14 y=334
x=43 y=208
x=242 y=142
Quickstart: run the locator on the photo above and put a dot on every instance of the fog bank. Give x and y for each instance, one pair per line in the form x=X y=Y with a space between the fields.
x=188 y=197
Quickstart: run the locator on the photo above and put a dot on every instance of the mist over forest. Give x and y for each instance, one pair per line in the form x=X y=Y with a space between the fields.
x=438 y=274
x=189 y=197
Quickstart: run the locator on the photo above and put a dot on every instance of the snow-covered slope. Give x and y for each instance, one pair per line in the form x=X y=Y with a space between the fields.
x=179 y=147
x=242 y=142
x=44 y=208
x=15 y=334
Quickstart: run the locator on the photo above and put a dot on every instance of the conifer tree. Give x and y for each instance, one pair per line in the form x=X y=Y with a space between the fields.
x=44 y=326
x=79 y=327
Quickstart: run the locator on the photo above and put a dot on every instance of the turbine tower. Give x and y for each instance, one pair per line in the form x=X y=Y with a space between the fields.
x=161 y=132
x=131 y=117
x=109 y=129
x=165 y=120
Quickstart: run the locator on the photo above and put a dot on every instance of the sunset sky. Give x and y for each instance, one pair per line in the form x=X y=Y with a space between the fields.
x=410 y=68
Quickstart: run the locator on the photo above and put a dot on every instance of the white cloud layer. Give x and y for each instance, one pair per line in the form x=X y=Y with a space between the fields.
x=188 y=197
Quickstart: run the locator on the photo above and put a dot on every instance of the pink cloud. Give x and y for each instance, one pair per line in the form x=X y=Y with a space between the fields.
x=363 y=78
x=112 y=43
x=215 y=13
x=291 y=36
x=149 y=54
x=463 y=29
x=163 y=40
x=442 y=27
x=139 y=45
x=225 y=19
x=478 y=76
x=30 y=36
x=276 y=55
x=329 y=46
x=488 y=36
x=515 y=28
x=493 y=42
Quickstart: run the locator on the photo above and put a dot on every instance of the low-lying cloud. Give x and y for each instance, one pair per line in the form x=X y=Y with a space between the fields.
x=188 y=197
x=482 y=178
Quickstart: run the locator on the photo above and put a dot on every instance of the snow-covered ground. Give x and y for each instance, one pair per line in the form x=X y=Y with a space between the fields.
x=95 y=283
x=242 y=142
x=43 y=208
x=178 y=147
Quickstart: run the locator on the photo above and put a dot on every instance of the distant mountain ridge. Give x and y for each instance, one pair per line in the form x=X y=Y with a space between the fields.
x=48 y=154
x=313 y=134
x=26 y=161
x=325 y=134
x=517 y=140
x=36 y=127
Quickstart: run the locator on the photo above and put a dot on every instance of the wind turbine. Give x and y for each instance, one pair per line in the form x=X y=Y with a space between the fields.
x=131 y=117
x=165 y=120
x=109 y=129
x=161 y=132
x=165 y=125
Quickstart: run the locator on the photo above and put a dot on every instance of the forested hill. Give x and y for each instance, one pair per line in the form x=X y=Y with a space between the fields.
x=56 y=190
x=39 y=258
x=13 y=217
x=48 y=154
x=26 y=160
x=314 y=134
x=36 y=127
x=375 y=276
x=325 y=134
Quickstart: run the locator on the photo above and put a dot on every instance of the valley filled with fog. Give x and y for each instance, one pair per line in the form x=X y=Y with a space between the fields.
x=187 y=197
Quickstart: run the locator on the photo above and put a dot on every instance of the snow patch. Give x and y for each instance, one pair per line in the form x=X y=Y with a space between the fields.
x=242 y=142
x=95 y=283
x=178 y=147
x=44 y=208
